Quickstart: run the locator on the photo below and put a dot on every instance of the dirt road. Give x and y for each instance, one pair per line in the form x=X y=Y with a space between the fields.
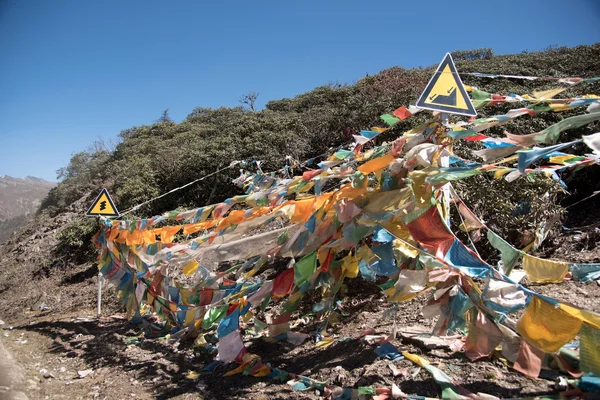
x=11 y=376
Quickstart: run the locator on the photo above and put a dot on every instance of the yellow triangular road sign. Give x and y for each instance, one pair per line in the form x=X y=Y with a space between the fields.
x=445 y=91
x=103 y=206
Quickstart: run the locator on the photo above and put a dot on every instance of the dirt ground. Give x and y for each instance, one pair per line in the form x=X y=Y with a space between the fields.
x=53 y=349
x=47 y=304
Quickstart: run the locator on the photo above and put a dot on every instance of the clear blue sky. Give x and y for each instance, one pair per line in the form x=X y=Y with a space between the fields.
x=71 y=71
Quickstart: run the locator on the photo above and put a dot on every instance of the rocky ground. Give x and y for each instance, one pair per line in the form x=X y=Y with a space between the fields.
x=73 y=355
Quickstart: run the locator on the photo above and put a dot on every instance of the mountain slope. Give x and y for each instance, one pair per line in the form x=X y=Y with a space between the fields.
x=19 y=198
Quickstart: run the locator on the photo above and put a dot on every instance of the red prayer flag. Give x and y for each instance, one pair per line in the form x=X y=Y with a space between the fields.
x=282 y=285
x=402 y=113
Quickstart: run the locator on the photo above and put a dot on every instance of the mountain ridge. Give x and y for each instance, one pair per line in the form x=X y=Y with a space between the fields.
x=19 y=199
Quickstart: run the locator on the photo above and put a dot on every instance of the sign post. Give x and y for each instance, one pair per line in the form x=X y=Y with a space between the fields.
x=100 y=282
x=103 y=206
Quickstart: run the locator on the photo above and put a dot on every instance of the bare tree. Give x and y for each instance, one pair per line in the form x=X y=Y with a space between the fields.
x=249 y=99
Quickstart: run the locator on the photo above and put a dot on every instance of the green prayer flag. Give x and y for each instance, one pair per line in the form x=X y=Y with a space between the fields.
x=214 y=315
x=265 y=303
x=388 y=284
x=359 y=232
x=342 y=154
x=481 y=95
x=590 y=341
x=551 y=133
x=259 y=325
x=304 y=268
x=462 y=133
x=359 y=180
x=479 y=103
x=508 y=254
x=390 y=119
x=289 y=307
x=283 y=238
x=367 y=390
x=482 y=121
x=540 y=107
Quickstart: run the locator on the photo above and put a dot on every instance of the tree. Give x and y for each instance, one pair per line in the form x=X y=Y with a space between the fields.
x=470 y=55
x=249 y=99
x=165 y=117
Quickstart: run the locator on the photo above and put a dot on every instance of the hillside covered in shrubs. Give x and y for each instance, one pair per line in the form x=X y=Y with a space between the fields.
x=152 y=159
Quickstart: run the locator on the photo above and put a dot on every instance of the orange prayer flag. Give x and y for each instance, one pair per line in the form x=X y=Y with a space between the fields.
x=303 y=210
x=167 y=233
x=376 y=164
x=234 y=218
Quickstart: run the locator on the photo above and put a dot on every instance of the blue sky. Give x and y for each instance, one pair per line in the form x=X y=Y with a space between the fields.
x=73 y=71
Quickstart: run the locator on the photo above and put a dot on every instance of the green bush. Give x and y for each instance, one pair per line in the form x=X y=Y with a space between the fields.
x=75 y=240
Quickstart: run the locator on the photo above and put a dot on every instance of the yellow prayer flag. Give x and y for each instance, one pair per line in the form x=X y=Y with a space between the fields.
x=559 y=107
x=544 y=271
x=190 y=268
x=405 y=248
x=548 y=94
x=378 y=129
x=585 y=316
x=350 y=266
x=420 y=361
x=547 y=327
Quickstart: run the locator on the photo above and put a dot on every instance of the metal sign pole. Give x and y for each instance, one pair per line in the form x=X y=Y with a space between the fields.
x=100 y=282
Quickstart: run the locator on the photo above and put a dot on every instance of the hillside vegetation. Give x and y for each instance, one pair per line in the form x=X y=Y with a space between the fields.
x=153 y=159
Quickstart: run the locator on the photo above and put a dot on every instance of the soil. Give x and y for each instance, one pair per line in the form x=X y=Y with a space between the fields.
x=50 y=329
x=64 y=344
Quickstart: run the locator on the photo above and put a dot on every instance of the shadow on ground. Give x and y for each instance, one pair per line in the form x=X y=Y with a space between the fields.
x=163 y=367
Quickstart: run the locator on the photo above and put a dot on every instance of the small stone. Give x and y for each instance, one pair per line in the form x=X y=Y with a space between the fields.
x=46 y=374
x=1 y=322
x=84 y=373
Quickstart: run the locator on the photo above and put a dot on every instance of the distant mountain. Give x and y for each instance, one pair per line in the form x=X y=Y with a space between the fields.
x=19 y=198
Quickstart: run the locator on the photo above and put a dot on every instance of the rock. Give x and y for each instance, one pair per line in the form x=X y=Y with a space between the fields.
x=84 y=373
x=46 y=374
x=1 y=322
